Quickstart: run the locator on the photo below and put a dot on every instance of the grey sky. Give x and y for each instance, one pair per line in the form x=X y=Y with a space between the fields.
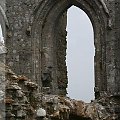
x=1 y=38
x=0 y=31
x=2 y=48
x=80 y=55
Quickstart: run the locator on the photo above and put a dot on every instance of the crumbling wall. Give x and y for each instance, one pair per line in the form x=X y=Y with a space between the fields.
x=36 y=35
x=19 y=40
x=36 y=48
x=23 y=101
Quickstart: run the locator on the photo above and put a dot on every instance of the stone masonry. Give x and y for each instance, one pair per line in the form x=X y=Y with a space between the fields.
x=35 y=40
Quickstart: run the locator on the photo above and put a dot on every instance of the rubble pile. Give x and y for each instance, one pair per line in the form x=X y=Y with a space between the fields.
x=24 y=102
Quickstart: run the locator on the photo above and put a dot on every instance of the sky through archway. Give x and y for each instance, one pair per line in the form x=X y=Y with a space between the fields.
x=80 y=55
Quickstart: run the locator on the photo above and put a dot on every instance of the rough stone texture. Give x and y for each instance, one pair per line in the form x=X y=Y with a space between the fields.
x=24 y=102
x=61 y=46
x=35 y=38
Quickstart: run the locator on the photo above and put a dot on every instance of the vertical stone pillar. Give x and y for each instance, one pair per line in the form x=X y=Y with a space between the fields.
x=113 y=55
x=116 y=29
x=113 y=49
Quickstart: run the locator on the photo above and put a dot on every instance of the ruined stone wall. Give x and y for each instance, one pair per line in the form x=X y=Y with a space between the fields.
x=61 y=46
x=19 y=40
x=24 y=102
x=116 y=29
x=36 y=44
x=35 y=30
x=27 y=51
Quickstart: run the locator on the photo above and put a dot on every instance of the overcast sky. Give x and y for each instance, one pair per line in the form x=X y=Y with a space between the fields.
x=80 y=55
x=0 y=32
x=1 y=38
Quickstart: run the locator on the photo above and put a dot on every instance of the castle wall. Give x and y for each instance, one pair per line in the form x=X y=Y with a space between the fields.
x=36 y=42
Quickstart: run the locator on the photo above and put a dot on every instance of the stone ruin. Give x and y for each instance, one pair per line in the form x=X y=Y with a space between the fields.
x=33 y=71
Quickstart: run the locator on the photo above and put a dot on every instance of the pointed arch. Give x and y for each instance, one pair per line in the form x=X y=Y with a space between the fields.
x=80 y=55
x=48 y=17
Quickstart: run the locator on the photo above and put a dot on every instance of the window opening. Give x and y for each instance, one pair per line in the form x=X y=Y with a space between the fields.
x=1 y=35
x=2 y=46
x=80 y=55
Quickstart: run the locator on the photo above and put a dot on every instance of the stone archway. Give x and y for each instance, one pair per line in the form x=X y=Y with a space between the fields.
x=51 y=18
x=37 y=42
